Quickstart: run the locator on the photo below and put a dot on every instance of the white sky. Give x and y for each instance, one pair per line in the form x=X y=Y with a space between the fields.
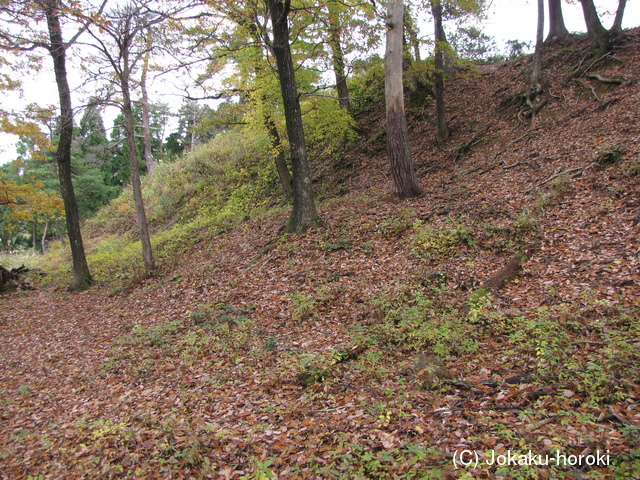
x=507 y=20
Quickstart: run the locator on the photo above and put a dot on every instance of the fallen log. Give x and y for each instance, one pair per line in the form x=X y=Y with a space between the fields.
x=499 y=279
x=7 y=277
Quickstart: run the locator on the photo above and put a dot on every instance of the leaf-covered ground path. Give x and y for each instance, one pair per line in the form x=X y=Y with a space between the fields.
x=258 y=354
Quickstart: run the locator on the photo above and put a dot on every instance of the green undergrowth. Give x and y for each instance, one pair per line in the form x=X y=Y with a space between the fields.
x=207 y=193
x=579 y=358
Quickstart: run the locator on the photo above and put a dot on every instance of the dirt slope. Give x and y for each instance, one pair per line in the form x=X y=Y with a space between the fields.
x=258 y=354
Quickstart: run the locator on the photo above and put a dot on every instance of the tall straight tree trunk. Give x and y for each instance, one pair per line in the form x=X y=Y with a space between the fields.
x=405 y=183
x=44 y=237
x=337 y=55
x=412 y=35
x=617 y=22
x=303 y=214
x=144 y=103
x=276 y=143
x=127 y=111
x=81 y=275
x=598 y=35
x=557 y=28
x=438 y=76
x=536 y=67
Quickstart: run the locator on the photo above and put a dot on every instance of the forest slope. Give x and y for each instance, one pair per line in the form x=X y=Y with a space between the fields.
x=364 y=349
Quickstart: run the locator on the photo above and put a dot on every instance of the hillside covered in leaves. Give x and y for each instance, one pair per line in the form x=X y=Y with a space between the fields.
x=496 y=315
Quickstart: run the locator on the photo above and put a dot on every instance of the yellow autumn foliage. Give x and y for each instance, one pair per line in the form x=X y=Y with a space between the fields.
x=28 y=201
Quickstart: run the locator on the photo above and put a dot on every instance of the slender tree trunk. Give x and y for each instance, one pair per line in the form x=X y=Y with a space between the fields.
x=617 y=22
x=337 y=56
x=276 y=144
x=557 y=28
x=598 y=35
x=146 y=129
x=405 y=183
x=81 y=275
x=44 y=237
x=304 y=214
x=59 y=231
x=412 y=35
x=438 y=76
x=192 y=125
x=127 y=111
x=536 y=67
x=281 y=162
x=34 y=233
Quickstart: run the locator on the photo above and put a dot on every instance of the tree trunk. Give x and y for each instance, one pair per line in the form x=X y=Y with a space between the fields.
x=192 y=124
x=617 y=22
x=146 y=129
x=405 y=183
x=304 y=214
x=536 y=67
x=598 y=35
x=412 y=34
x=438 y=76
x=276 y=144
x=59 y=231
x=44 y=237
x=337 y=56
x=557 y=28
x=127 y=111
x=281 y=162
x=81 y=275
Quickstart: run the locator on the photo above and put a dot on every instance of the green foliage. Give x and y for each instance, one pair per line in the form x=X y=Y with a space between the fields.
x=261 y=471
x=366 y=87
x=304 y=306
x=557 y=190
x=327 y=127
x=343 y=242
x=472 y=44
x=25 y=390
x=401 y=221
x=609 y=154
x=357 y=461
x=431 y=244
x=412 y=322
x=604 y=374
x=218 y=186
x=157 y=334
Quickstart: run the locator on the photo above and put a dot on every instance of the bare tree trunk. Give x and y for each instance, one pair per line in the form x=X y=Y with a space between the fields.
x=337 y=56
x=192 y=124
x=438 y=76
x=44 y=237
x=412 y=34
x=536 y=67
x=281 y=162
x=127 y=111
x=617 y=22
x=598 y=35
x=304 y=214
x=405 y=183
x=276 y=144
x=557 y=28
x=146 y=129
x=81 y=275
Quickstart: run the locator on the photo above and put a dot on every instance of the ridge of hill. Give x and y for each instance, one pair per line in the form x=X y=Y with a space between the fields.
x=366 y=348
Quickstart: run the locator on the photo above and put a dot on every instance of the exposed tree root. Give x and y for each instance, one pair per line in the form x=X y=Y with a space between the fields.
x=532 y=104
x=597 y=76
